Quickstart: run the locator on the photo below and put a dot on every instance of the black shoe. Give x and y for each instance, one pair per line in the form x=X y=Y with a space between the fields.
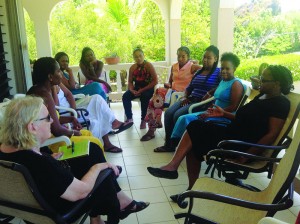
x=134 y=206
x=163 y=173
x=174 y=198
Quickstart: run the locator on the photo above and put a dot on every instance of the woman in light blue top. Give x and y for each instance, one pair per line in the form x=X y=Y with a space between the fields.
x=228 y=96
x=69 y=81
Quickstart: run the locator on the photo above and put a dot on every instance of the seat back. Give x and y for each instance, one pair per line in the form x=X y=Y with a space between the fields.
x=20 y=197
x=286 y=170
x=247 y=93
x=234 y=170
x=285 y=132
x=234 y=211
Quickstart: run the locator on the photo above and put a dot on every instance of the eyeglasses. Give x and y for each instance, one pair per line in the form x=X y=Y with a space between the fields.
x=266 y=80
x=48 y=118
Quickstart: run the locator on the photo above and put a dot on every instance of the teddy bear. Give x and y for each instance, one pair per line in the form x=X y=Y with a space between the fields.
x=155 y=108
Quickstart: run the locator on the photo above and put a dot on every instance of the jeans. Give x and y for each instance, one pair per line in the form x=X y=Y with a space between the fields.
x=144 y=98
x=171 y=116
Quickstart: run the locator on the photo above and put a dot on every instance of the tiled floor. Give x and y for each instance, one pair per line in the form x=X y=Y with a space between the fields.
x=140 y=185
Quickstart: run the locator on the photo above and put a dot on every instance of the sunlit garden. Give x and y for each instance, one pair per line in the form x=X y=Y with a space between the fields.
x=263 y=32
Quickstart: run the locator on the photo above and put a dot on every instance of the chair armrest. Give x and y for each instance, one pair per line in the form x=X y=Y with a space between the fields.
x=220 y=153
x=235 y=201
x=193 y=106
x=83 y=112
x=76 y=211
x=54 y=140
x=175 y=97
x=68 y=109
x=237 y=142
x=79 y=96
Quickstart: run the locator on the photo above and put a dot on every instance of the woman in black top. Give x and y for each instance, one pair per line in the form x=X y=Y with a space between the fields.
x=25 y=127
x=260 y=121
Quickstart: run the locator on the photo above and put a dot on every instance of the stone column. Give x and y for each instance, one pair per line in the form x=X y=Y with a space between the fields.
x=222 y=24
x=39 y=12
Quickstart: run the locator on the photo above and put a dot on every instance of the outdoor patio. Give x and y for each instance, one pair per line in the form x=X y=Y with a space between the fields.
x=140 y=185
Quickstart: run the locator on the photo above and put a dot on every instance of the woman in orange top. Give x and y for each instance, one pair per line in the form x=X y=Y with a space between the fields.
x=182 y=71
x=181 y=75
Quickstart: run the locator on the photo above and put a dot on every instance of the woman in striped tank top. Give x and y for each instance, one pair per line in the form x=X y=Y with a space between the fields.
x=201 y=87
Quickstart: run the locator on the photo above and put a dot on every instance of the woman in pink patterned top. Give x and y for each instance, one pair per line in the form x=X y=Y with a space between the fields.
x=180 y=77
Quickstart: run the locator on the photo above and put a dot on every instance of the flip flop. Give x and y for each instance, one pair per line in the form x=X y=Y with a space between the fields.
x=113 y=149
x=147 y=137
x=164 y=149
x=139 y=206
x=123 y=127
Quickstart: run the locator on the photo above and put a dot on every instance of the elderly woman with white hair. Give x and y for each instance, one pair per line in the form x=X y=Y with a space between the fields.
x=25 y=127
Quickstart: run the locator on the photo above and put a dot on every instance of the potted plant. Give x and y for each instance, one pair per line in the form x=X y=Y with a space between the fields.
x=112 y=59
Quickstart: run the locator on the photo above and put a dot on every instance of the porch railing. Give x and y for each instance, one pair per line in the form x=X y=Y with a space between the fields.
x=119 y=85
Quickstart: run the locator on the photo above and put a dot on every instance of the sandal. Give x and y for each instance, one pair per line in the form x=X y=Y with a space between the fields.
x=147 y=137
x=164 y=148
x=134 y=206
x=113 y=149
x=123 y=127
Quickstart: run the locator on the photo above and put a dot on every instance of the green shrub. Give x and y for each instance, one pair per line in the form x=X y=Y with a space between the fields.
x=249 y=67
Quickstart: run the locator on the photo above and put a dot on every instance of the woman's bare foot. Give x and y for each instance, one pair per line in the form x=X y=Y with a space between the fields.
x=116 y=124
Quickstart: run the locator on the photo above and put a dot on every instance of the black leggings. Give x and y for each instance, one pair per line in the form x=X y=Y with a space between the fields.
x=104 y=200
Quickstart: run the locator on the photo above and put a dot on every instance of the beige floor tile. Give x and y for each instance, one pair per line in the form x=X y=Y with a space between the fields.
x=152 y=195
x=295 y=210
x=156 y=212
x=140 y=182
x=174 y=189
x=137 y=170
x=167 y=222
x=134 y=151
x=131 y=143
x=155 y=142
x=124 y=184
x=131 y=219
x=136 y=160
x=285 y=216
x=116 y=160
x=128 y=135
x=161 y=157
x=181 y=180
x=296 y=199
x=109 y=155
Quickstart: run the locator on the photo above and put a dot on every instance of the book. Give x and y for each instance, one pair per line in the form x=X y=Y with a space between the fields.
x=77 y=149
